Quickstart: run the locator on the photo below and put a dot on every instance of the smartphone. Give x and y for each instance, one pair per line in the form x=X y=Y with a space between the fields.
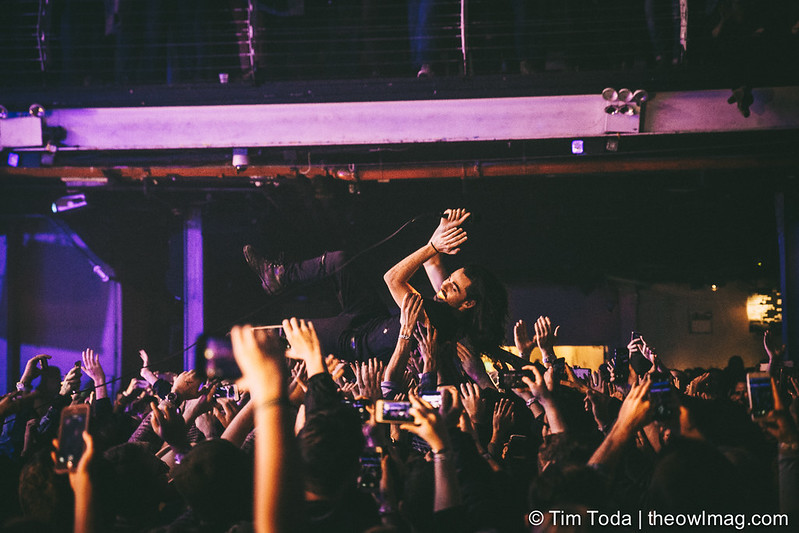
x=559 y=369
x=640 y=364
x=433 y=398
x=662 y=397
x=582 y=373
x=392 y=412
x=214 y=355
x=371 y=469
x=621 y=362
x=229 y=390
x=360 y=406
x=761 y=400
x=512 y=379
x=517 y=447
x=74 y=421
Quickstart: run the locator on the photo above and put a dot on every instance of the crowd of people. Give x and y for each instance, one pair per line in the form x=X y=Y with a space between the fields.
x=417 y=421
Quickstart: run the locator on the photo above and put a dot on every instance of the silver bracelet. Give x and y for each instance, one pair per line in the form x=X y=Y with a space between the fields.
x=404 y=337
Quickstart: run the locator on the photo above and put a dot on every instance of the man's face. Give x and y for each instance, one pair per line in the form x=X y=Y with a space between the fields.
x=739 y=393
x=453 y=291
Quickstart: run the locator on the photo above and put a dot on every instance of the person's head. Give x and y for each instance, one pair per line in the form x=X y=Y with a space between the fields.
x=692 y=475
x=215 y=479
x=330 y=444
x=143 y=475
x=44 y=495
x=739 y=394
x=479 y=294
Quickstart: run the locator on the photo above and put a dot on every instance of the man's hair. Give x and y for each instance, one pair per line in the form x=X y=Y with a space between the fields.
x=487 y=318
x=215 y=480
x=330 y=443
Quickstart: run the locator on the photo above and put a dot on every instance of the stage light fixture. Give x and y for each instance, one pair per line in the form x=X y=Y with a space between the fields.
x=3 y=112
x=610 y=94
x=68 y=203
x=240 y=159
x=101 y=273
x=623 y=109
x=36 y=110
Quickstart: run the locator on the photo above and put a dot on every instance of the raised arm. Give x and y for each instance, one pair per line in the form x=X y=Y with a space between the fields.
x=93 y=369
x=434 y=267
x=447 y=239
x=410 y=309
x=264 y=373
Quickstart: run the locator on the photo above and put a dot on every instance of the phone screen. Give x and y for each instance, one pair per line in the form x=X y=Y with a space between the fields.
x=433 y=398
x=662 y=396
x=371 y=471
x=360 y=406
x=389 y=411
x=512 y=379
x=761 y=400
x=74 y=421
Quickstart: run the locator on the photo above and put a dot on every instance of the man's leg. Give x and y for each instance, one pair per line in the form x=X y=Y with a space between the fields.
x=355 y=296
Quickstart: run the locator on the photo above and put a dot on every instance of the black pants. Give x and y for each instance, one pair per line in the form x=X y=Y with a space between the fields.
x=364 y=328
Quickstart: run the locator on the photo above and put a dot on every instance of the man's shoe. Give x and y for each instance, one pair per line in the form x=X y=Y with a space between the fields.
x=272 y=275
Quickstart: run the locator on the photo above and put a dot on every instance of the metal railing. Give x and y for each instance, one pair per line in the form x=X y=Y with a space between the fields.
x=96 y=42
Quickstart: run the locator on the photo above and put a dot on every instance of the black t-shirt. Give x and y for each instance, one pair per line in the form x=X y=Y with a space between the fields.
x=447 y=320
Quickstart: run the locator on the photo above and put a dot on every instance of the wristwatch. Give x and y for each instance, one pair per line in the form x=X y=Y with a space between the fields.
x=173 y=401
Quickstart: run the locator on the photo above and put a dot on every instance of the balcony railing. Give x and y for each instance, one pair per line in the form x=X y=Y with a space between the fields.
x=54 y=43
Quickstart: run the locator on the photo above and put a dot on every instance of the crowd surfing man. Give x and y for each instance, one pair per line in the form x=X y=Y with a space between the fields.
x=469 y=307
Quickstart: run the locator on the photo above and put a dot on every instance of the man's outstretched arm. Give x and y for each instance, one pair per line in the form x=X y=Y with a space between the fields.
x=447 y=239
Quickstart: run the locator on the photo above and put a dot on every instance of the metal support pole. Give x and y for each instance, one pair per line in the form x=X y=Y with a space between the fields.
x=193 y=296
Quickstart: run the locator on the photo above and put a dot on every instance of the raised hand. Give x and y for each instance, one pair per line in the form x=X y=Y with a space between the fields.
x=597 y=382
x=502 y=420
x=540 y=385
x=572 y=380
x=774 y=353
x=410 y=310
x=14 y=402
x=71 y=382
x=473 y=366
x=299 y=377
x=261 y=358
x=693 y=387
x=34 y=368
x=169 y=425
x=473 y=401
x=225 y=410
x=335 y=367
x=635 y=410
x=349 y=390
x=449 y=241
x=597 y=404
x=522 y=340
x=545 y=338
x=304 y=345
x=93 y=369
x=369 y=375
x=427 y=340
x=145 y=371
x=452 y=220
x=451 y=406
x=200 y=405
x=187 y=385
